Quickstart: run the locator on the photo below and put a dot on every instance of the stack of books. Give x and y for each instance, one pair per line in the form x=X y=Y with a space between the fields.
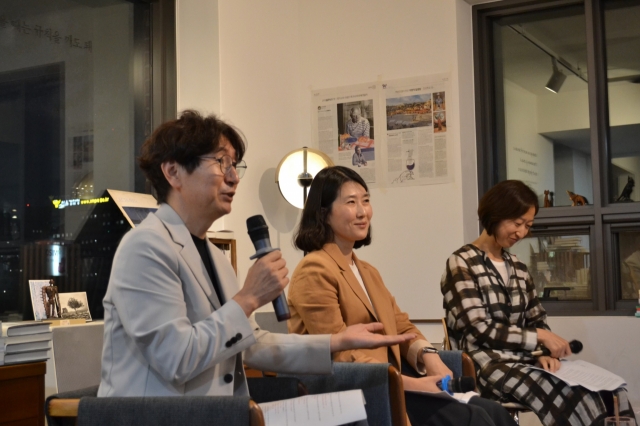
x=22 y=342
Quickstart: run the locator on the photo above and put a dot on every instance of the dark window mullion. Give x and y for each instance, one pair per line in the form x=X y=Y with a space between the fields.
x=163 y=33
x=485 y=105
x=619 y=306
x=598 y=101
x=599 y=122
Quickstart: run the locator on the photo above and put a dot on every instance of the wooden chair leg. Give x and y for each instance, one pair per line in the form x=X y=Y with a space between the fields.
x=396 y=396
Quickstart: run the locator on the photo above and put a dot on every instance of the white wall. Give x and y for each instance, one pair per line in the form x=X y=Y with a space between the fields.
x=270 y=55
x=269 y=60
x=610 y=342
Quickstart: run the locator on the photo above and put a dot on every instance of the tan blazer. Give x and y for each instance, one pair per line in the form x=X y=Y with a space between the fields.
x=326 y=297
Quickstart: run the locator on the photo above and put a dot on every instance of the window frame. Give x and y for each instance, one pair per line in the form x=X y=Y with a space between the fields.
x=154 y=97
x=492 y=165
x=163 y=75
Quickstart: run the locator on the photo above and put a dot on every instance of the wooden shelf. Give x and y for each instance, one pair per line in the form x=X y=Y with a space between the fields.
x=22 y=394
x=228 y=246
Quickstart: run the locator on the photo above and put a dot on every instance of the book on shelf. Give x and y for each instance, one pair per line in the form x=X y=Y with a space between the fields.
x=16 y=348
x=38 y=337
x=10 y=329
x=23 y=357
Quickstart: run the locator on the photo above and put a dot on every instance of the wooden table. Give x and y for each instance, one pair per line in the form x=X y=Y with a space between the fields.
x=22 y=394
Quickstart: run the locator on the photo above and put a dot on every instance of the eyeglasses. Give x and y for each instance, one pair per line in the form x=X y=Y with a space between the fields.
x=226 y=163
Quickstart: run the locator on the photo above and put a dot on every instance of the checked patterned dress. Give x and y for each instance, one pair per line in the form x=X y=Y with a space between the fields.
x=496 y=325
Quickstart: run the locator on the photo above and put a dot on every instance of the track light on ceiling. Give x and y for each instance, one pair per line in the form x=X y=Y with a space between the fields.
x=557 y=78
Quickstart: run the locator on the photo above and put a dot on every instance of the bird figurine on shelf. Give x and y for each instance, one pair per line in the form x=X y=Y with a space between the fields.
x=548 y=198
x=625 y=195
x=577 y=200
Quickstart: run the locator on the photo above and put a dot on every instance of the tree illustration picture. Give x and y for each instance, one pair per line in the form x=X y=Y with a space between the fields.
x=74 y=304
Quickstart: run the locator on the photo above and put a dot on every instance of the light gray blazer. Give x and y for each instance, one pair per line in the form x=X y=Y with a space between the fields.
x=165 y=332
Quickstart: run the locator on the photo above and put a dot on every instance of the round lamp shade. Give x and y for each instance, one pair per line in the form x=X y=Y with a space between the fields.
x=296 y=171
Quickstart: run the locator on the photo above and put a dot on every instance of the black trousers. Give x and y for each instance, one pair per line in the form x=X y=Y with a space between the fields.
x=430 y=411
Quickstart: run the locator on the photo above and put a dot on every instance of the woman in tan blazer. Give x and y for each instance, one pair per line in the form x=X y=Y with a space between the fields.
x=331 y=289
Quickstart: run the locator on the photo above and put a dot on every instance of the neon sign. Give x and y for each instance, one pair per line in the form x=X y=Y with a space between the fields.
x=61 y=204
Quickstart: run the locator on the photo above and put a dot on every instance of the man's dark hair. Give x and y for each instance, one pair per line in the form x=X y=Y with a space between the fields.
x=314 y=230
x=184 y=140
x=509 y=199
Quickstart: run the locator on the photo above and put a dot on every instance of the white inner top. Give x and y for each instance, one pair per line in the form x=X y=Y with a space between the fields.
x=503 y=268
x=354 y=268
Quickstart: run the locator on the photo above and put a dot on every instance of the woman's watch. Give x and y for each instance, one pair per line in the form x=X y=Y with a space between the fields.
x=429 y=350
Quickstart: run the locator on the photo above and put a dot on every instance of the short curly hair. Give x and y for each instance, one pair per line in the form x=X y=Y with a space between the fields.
x=509 y=199
x=314 y=230
x=184 y=140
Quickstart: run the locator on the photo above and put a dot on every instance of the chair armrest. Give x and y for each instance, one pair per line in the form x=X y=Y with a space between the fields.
x=106 y=411
x=65 y=404
x=255 y=414
x=468 y=367
x=396 y=397
x=59 y=407
x=373 y=379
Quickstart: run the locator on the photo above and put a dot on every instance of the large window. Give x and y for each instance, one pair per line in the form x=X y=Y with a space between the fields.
x=78 y=96
x=558 y=107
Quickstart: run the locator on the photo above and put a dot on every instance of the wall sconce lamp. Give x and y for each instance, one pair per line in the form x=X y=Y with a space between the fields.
x=296 y=171
x=557 y=78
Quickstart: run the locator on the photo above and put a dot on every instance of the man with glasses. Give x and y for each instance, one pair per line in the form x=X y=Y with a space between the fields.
x=176 y=321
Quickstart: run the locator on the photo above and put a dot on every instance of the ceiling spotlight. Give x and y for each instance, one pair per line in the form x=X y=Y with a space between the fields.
x=557 y=78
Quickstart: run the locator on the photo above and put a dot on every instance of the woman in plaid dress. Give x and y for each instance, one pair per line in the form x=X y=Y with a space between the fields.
x=494 y=315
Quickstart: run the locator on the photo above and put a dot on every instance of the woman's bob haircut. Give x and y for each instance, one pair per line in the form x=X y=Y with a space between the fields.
x=314 y=230
x=508 y=200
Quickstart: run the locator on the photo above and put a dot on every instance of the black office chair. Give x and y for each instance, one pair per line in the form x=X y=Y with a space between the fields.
x=381 y=385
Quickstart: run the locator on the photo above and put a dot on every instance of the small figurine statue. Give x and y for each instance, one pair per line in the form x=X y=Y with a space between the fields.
x=577 y=200
x=51 y=301
x=626 y=192
x=548 y=198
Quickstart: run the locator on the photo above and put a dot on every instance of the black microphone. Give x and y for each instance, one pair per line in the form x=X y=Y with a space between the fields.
x=456 y=385
x=259 y=234
x=574 y=345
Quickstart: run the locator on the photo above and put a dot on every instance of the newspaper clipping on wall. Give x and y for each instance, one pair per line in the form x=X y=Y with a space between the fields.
x=393 y=132
x=345 y=122
x=417 y=150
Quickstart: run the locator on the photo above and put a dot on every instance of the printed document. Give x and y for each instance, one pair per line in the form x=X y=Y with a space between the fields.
x=329 y=409
x=587 y=375
x=460 y=397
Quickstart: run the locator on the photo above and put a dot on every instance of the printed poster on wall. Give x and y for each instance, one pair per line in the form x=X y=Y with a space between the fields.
x=393 y=133
x=417 y=145
x=346 y=122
